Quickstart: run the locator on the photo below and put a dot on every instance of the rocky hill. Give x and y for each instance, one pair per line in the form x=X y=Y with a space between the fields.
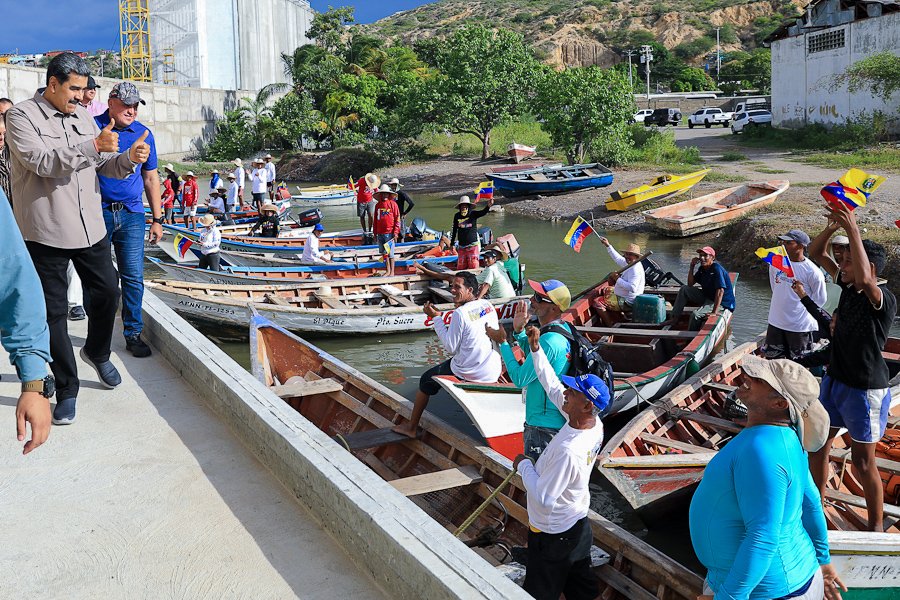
x=596 y=32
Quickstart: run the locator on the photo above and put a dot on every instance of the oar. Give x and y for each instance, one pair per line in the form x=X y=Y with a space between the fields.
x=605 y=279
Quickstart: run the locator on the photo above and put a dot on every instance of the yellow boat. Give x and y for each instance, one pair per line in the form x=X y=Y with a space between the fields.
x=663 y=186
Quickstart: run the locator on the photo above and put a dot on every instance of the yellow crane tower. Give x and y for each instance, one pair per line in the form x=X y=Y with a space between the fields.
x=134 y=28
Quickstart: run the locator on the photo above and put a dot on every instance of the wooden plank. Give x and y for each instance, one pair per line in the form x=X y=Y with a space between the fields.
x=275 y=299
x=307 y=388
x=712 y=385
x=625 y=586
x=631 y=332
x=667 y=443
x=330 y=301
x=394 y=297
x=883 y=464
x=441 y=293
x=439 y=480
x=706 y=420
x=371 y=438
x=890 y=510
x=658 y=461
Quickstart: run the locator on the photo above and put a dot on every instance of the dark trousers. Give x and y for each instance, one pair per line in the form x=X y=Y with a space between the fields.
x=561 y=563
x=94 y=267
x=210 y=261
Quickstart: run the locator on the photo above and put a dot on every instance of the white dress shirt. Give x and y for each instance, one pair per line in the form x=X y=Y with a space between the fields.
x=631 y=282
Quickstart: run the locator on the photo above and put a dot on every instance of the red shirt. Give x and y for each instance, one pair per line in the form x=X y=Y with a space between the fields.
x=190 y=192
x=363 y=191
x=387 y=218
x=168 y=195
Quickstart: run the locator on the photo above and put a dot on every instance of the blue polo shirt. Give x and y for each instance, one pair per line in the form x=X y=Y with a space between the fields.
x=715 y=278
x=129 y=191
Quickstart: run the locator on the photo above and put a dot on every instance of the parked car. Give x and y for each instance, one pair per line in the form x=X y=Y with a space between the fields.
x=639 y=115
x=709 y=117
x=663 y=116
x=751 y=118
x=752 y=104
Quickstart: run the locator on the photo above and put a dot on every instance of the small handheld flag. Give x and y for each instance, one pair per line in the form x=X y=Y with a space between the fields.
x=351 y=185
x=182 y=244
x=778 y=258
x=580 y=229
x=388 y=246
x=853 y=188
x=485 y=190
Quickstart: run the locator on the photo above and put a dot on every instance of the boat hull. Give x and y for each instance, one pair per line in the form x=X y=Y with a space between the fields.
x=867 y=563
x=520 y=152
x=325 y=199
x=551 y=180
x=637 y=197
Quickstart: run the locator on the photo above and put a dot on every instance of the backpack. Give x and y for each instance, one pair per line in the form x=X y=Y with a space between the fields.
x=584 y=358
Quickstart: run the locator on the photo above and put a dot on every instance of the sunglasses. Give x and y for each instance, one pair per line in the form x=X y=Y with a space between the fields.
x=536 y=298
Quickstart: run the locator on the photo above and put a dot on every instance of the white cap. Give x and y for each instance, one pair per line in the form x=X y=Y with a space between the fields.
x=189 y=174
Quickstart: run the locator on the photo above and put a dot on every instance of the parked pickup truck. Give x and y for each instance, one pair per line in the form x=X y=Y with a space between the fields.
x=709 y=117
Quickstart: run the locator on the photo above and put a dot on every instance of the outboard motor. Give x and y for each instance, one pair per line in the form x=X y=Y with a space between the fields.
x=310 y=217
x=417 y=229
x=485 y=235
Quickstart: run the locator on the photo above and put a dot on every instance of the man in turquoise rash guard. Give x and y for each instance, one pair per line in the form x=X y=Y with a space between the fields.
x=756 y=519
x=542 y=420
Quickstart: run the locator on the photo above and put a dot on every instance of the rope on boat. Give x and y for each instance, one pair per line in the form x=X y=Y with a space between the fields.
x=343 y=441
x=484 y=504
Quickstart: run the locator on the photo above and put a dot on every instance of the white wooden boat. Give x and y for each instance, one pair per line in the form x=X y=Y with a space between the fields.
x=520 y=152
x=649 y=361
x=338 y=307
x=714 y=211
x=331 y=195
x=868 y=563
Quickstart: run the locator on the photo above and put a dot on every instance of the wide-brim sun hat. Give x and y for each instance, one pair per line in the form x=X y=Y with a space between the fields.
x=232 y=176
x=238 y=162
x=498 y=249
x=221 y=186
x=170 y=167
x=395 y=181
x=268 y=206
x=189 y=174
x=207 y=220
x=385 y=189
x=464 y=201
x=797 y=385
x=215 y=171
x=632 y=249
x=372 y=180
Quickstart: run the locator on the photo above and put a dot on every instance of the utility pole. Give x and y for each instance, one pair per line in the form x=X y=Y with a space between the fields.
x=718 y=56
x=647 y=58
x=629 y=54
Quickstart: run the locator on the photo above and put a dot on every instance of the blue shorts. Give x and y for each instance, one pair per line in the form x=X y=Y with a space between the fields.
x=863 y=412
x=382 y=239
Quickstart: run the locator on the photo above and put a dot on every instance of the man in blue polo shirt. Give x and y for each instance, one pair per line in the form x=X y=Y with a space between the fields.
x=714 y=294
x=123 y=209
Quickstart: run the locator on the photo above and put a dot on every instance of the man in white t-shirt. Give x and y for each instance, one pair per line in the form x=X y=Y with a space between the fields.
x=627 y=285
x=232 y=201
x=239 y=176
x=474 y=357
x=259 y=178
x=559 y=539
x=270 y=172
x=792 y=329
x=311 y=253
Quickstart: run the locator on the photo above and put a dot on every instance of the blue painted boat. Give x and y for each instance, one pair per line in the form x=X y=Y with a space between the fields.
x=551 y=180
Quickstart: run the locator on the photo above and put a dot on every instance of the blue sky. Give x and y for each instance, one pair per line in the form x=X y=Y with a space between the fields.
x=40 y=25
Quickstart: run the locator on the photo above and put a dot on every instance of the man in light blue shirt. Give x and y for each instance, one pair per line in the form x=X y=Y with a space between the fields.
x=23 y=330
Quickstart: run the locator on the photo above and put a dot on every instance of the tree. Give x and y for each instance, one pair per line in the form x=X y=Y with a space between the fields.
x=879 y=73
x=327 y=28
x=256 y=109
x=752 y=70
x=232 y=138
x=693 y=79
x=484 y=79
x=293 y=117
x=586 y=110
x=313 y=69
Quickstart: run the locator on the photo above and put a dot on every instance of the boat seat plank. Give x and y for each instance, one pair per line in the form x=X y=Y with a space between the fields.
x=883 y=464
x=538 y=177
x=712 y=385
x=441 y=293
x=372 y=438
x=592 y=172
x=307 y=388
x=330 y=301
x=394 y=297
x=674 y=444
x=658 y=461
x=439 y=480
x=705 y=420
x=624 y=585
x=275 y=299
x=632 y=332
x=890 y=510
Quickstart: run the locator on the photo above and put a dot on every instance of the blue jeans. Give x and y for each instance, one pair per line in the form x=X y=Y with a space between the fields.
x=126 y=235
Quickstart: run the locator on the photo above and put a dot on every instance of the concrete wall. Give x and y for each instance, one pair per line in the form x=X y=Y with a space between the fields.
x=181 y=118
x=800 y=79
x=409 y=554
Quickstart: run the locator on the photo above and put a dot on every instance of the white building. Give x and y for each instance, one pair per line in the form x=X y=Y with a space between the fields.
x=226 y=44
x=831 y=36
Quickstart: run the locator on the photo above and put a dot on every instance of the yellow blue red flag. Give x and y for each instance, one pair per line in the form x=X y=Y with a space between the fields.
x=388 y=247
x=580 y=229
x=853 y=188
x=485 y=191
x=182 y=244
x=778 y=258
x=351 y=185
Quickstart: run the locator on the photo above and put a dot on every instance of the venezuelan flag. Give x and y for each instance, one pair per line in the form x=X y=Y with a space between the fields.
x=388 y=246
x=778 y=258
x=485 y=190
x=580 y=229
x=853 y=188
x=351 y=185
x=182 y=244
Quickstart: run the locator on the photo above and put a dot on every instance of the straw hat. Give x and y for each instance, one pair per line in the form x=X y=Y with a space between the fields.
x=268 y=206
x=238 y=162
x=169 y=167
x=372 y=180
x=207 y=220
x=385 y=189
x=220 y=186
x=395 y=181
x=215 y=171
x=498 y=249
x=464 y=200
x=268 y=156
x=232 y=176
x=633 y=249
x=189 y=174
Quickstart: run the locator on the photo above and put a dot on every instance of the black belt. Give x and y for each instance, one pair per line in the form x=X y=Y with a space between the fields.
x=114 y=206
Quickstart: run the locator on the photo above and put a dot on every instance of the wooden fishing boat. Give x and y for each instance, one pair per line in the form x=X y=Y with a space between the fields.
x=442 y=471
x=283 y=207
x=356 y=306
x=230 y=275
x=520 y=152
x=656 y=461
x=551 y=180
x=714 y=211
x=664 y=186
x=649 y=360
x=867 y=563
x=532 y=169
x=326 y=195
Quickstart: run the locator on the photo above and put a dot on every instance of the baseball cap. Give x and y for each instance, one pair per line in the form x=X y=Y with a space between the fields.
x=840 y=240
x=127 y=92
x=92 y=85
x=490 y=253
x=555 y=290
x=707 y=250
x=795 y=235
x=797 y=385
x=591 y=386
x=319 y=227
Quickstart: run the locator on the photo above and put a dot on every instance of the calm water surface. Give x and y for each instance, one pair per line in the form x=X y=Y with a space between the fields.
x=398 y=360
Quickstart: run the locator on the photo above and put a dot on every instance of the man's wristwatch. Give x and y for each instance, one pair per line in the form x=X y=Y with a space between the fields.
x=46 y=387
x=159 y=220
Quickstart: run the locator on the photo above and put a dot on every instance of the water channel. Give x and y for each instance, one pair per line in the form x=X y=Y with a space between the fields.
x=398 y=360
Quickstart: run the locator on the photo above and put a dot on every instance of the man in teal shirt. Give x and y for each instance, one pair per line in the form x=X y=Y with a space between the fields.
x=542 y=420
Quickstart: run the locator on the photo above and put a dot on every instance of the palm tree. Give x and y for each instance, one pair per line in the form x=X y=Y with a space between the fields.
x=256 y=109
